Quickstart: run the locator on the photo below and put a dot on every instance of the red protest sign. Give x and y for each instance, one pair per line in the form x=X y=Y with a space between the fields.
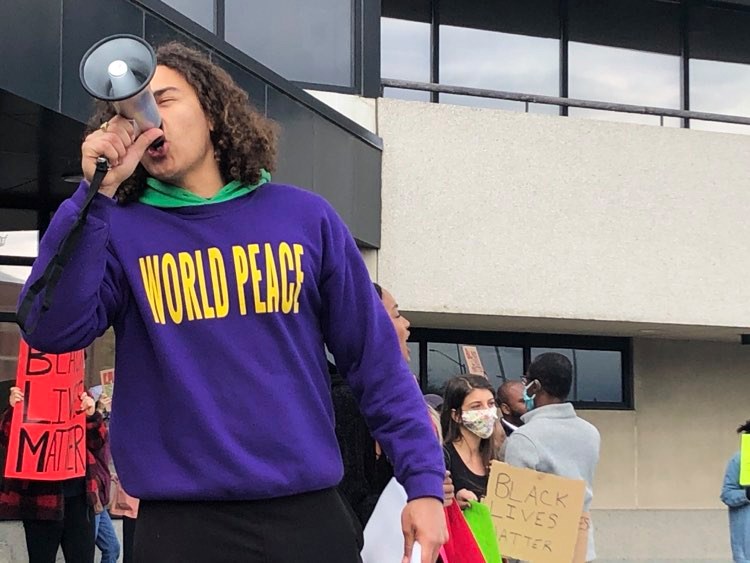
x=47 y=439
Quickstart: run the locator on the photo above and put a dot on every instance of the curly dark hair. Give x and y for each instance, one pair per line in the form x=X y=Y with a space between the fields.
x=244 y=140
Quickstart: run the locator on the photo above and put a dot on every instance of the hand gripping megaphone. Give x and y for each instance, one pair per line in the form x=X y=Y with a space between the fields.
x=118 y=69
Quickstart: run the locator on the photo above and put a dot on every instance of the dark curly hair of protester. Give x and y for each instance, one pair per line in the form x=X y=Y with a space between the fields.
x=244 y=140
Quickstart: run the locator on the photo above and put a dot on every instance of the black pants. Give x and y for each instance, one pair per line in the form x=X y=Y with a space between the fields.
x=75 y=533
x=128 y=537
x=306 y=528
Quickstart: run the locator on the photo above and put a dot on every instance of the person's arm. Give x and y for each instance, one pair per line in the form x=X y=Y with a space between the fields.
x=520 y=451
x=88 y=294
x=361 y=337
x=732 y=494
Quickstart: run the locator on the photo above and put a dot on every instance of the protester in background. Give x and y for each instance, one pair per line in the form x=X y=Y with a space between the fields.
x=737 y=499
x=270 y=264
x=57 y=513
x=367 y=470
x=104 y=531
x=511 y=404
x=469 y=420
x=553 y=439
x=511 y=407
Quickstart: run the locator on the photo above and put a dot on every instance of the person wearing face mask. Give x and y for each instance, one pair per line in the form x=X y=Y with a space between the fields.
x=553 y=439
x=469 y=418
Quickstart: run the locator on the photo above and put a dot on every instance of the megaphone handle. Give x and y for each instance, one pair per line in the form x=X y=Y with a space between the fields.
x=47 y=282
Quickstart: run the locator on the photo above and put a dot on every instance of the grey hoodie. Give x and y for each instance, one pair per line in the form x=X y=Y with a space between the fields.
x=554 y=440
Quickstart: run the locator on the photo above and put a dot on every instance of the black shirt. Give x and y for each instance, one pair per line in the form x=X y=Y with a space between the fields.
x=463 y=477
x=365 y=473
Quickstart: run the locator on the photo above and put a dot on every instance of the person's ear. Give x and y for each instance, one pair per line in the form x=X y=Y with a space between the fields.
x=505 y=409
x=455 y=416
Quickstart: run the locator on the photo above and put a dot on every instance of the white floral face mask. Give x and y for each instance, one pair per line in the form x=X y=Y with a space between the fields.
x=481 y=422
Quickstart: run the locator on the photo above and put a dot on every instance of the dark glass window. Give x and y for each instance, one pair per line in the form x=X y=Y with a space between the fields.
x=405 y=55
x=601 y=366
x=625 y=52
x=414 y=359
x=597 y=374
x=511 y=46
x=446 y=360
x=309 y=42
x=200 y=11
x=719 y=65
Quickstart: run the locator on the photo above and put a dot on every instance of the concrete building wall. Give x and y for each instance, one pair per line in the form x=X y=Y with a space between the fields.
x=662 y=465
x=491 y=217
x=498 y=211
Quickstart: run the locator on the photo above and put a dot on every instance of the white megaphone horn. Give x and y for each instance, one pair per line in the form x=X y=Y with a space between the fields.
x=118 y=69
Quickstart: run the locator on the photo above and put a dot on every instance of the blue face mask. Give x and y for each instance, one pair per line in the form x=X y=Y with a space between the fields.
x=529 y=401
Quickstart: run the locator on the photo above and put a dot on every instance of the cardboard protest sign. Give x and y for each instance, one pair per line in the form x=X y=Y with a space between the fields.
x=48 y=433
x=108 y=382
x=536 y=515
x=744 y=460
x=473 y=361
x=582 y=543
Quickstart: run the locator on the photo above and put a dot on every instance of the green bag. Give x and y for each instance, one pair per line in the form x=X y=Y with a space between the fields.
x=480 y=521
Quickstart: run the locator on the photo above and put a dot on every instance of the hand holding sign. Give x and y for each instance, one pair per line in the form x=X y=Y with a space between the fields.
x=88 y=405
x=16 y=396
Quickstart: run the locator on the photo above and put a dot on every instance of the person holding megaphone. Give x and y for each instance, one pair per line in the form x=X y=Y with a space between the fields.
x=223 y=288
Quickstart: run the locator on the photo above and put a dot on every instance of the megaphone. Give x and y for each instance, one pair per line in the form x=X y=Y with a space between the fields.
x=118 y=69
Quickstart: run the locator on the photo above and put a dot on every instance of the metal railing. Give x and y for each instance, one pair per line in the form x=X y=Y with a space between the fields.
x=565 y=102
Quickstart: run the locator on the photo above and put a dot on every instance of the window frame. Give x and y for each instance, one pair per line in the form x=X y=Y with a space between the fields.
x=687 y=10
x=526 y=341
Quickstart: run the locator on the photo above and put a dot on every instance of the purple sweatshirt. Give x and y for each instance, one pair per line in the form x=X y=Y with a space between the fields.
x=221 y=313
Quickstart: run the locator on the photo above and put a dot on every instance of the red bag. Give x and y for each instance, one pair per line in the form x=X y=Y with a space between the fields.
x=461 y=546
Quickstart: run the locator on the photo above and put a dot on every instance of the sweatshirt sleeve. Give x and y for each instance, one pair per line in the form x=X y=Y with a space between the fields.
x=732 y=494
x=520 y=451
x=361 y=337
x=89 y=293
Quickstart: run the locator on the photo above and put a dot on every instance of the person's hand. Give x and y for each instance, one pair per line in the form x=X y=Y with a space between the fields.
x=105 y=404
x=423 y=520
x=448 y=490
x=114 y=141
x=463 y=497
x=16 y=396
x=88 y=405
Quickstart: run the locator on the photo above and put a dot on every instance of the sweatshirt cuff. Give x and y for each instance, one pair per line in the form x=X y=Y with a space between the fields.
x=99 y=205
x=424 y=485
